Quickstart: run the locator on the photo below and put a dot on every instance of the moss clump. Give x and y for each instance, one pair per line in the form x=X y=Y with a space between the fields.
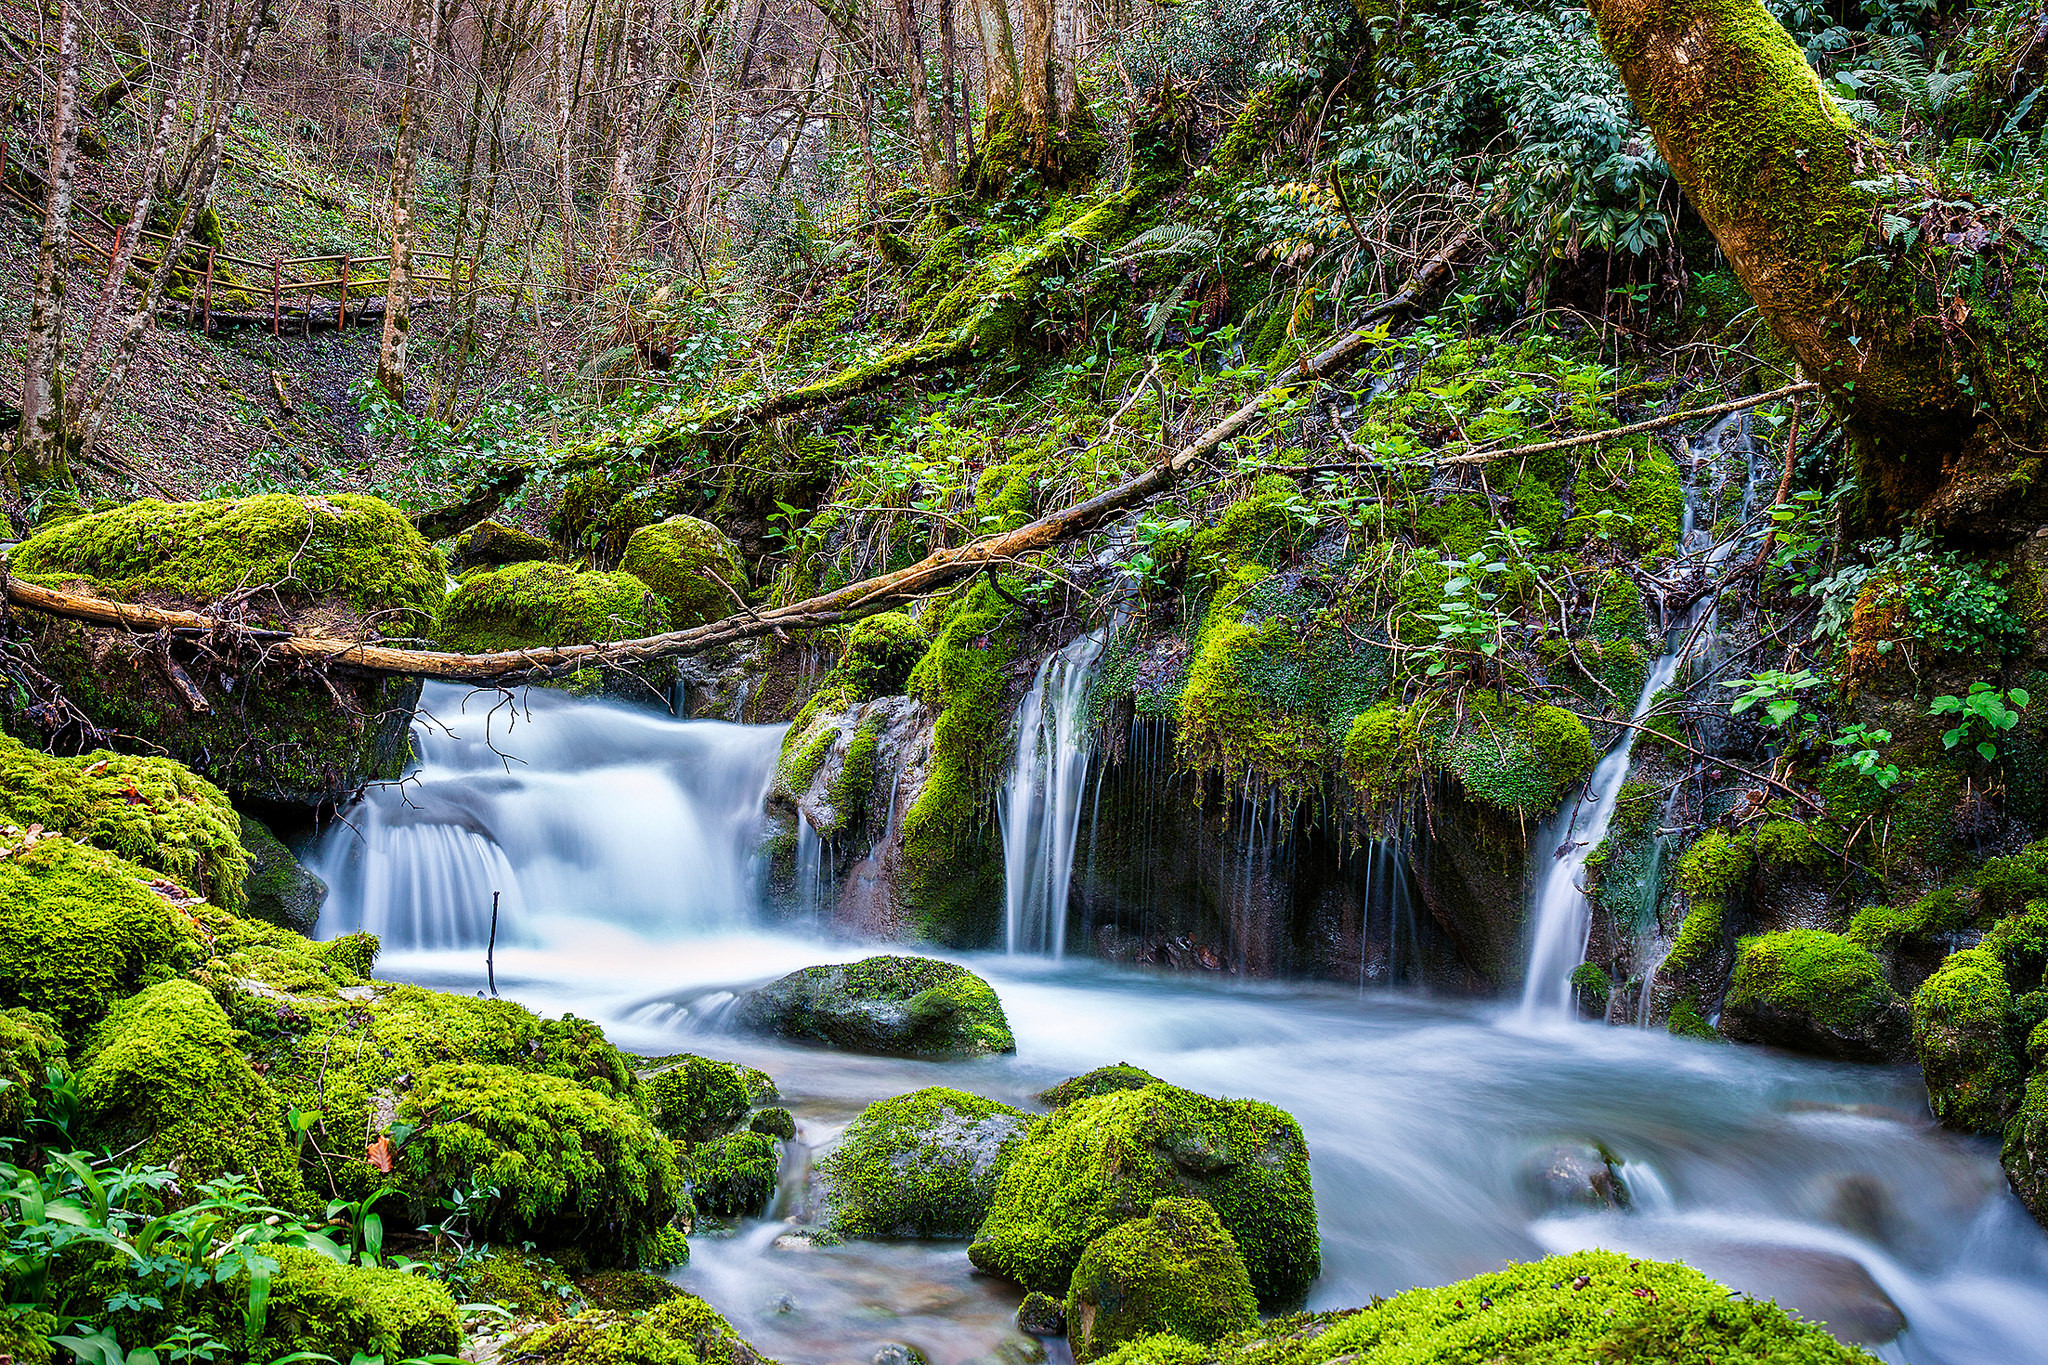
x=163 y=1070
x=696 y=1099
x=697 y=1325
x=1592 y=985
x=492 y=545
x=1103 y=1161
x=1815 y=992
x=920 y=1165
x=79 y=929
x=1579 y=1309
x=340 y=547
x=895 y=1006
x=691 y=565
x=1267 y=528
x=1103 y=1080
x=1715 y=866
x=1175 y=1270
x=1687 y=1022
x=150 y=811
x=776 y=1123
x=571 y=1166
x=250 y=956
x=880 y=653
x=1517 y=758
x=601 y=1339
x=733 y=1176
x=345 y=1311
x=537 y=603
x=1381 y=753
x=1961 y=1031
x=29 y=1046
x=279 y=890
x=530 y=1287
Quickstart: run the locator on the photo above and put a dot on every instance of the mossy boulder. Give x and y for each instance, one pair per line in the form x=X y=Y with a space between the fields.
x=1962 y=1033
x=920 y=1165
x=343 y=1311
x=493 y=545
x=1104 y=1161
x=601 y=1338
x=343 y=565
x=1175 y=1270
x=1103 y=1080
x=29 y=1046
x=81 y=928
x=1817 y=992
x=691 y=565
x=880 y=653
x=696 y=1324
x=151 y=811
x=732 y=1176
x=696 y=1099
x=163 y=1070
x=893 y=1006
x=776 y=1123
x=521 y=606
x=280 y=890
x=1589 y=1306
x=252 y=957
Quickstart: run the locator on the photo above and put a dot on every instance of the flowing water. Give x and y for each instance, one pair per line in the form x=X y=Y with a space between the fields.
x=622 y=842
x=1041 y=801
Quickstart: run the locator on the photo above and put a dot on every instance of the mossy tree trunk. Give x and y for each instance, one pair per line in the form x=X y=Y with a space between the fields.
x=39 y=448
x=1813 y=215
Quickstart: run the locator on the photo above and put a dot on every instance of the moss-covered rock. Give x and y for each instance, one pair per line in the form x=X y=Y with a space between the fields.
x=163 y=1070
x=280 y=890
x=1103 y=1080
x=537 y=603
x=895 y=1006
x=920 y=1165
x=492 y=545
x=880 y=653
x=1817 y=992
x=626 y=1291
x=344 y=1311
x=776 y=1123
x=1586 y=1307
x=29 y=1046
x=79 y=929
x=1103 y=1161
x=732 y=1176
x=696 y=1324
x=151 y=811
x=344 y=565
x=691 y=565
x=601 y=1338
x=1176 y=1270
x=696 y=1099
x=1962 y=1033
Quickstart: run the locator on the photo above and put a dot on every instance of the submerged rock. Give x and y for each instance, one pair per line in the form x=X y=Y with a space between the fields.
x=280 y=890
x=1106 y=1160
x=1815 y=992
x=920 y=1165
x=343 y=565
x=1573 y=1175
x=894 y=1006
x=1175 y=1270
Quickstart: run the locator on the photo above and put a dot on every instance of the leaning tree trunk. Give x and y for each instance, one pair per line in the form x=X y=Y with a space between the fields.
x=1839 y=242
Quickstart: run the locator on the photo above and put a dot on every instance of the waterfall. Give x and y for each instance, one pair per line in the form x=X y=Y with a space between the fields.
x=1562 y=913
x=1040 y=805
x=561 y=806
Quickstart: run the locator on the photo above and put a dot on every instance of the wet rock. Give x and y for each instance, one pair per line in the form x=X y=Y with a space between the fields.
x=1573 y=1175
x=1816 y=992
x=897 y=1353
x=893 y=1006
x=1820 y=1286
x=776 y=1123
x=920 y=1165
x=280 y=891
x=1042 y=1315
x=1101 y=1081
x=1103 y=1161
x=1175 y=1270
x=492 y=545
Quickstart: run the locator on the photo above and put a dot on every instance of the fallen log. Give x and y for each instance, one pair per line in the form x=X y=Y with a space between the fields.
x=851 y=603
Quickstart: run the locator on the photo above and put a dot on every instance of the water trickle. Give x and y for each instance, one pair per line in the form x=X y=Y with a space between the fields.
x=1041 y=801
x=563 y=807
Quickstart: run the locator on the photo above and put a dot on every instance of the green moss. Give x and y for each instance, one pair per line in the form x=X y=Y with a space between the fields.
x=254 y=952
x=1175 y=1270
x=341 y=547
x=29 y=1046
x=1788 y=845
x=1699 y=938
x=1961 y=1031
x=2007 y=884
x=697 y=1099
x=1715 y=866
x=682 y=560
x=1592 y=985
x=279 y=890
x=491 y=544
x=601 y=1339
x=1268 y=528
x=1381 y=753
x=1515 y=757
x=909 y=1006
x=538 y=603
x=1102 y=1161
x=1816 y=991
x=1584 y=1308
x=345 y=1311
x=530 y=1287
x=880 y=653
x=150 y=811
x=733 y=1176
x=626 y=1291
x=775 y=1123
x=697 y=1325
x=163 y=1070
x=1687 y=1022
x=920 y=1165
x=1102 y=1080
x=80 y=928
x=1627 y=497
x=1933 y=916
x=848 y=793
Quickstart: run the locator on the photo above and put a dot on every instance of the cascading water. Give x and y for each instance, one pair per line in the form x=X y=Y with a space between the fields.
x=1562 y=914
x=1041 y=802
x=561 y=807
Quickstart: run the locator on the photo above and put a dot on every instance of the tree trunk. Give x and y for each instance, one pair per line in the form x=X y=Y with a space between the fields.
x=949 y=110
x=391 y=354
x=921 y=129
x=565 y=194
x=1067 y=58
x=623 y=195
x=1035 y=98
x=999 y=63
x=40 y=443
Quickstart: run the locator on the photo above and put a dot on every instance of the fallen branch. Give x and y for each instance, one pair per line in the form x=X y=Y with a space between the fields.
x=850 y=603
x=1756 y=400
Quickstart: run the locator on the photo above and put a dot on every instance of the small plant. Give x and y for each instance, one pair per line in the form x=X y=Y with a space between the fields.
x=1984 y=714
x=1777 y=692
x=1860 y=755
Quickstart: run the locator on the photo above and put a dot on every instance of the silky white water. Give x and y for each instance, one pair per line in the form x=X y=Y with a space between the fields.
x=1040 y=805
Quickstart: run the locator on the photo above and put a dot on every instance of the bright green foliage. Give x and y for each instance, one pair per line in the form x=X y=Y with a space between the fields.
x=339 y=1310
x=1175 y=1270
x=602 y=1339
x=1816 y=991
x=80 y=928
x=920 y=1165
x=529 y=1286
x=697 y=1325
x=1102 y=1161
x=697 y=1099
x=1961 y=1032
x=1518 y=758
x=339 y=547
x=163 y=1070
x=1715 y=866
x=538 y=603
x=1268 y=528
x=248 y=950
x=907 y=1006
x=880 y=653
x=683 y=560
x=1592 y=985
x=1381 y=754
x=732 y=1176
x=150 y=811
x=29 y=1046
x=775 y=1123
x=1586 y=1308
x=626 y=1291
x=572 y=1166
x=1102 y=1080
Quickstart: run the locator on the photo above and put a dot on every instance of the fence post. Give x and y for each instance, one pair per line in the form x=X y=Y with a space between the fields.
x=341 y=313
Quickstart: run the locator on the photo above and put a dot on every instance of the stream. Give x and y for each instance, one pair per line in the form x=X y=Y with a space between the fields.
x=1429 y=1120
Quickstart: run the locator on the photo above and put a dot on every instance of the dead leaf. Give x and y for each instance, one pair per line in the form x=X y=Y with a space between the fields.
x=379 y=1154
